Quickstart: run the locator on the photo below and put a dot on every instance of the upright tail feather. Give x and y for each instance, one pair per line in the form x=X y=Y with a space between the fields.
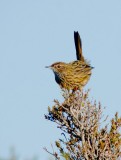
x=78 y=46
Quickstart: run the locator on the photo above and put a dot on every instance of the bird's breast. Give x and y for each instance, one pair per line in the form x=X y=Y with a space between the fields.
x=57 y=78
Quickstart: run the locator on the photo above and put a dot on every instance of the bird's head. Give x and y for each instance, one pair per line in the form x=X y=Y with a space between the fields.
x=58 y=67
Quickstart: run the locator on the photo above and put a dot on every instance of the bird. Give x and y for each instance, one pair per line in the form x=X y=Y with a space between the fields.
x=73 y=75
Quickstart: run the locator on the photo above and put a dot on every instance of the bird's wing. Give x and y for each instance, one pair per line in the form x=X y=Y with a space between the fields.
x=78 y=46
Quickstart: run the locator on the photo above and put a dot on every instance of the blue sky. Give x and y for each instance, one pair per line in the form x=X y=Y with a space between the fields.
x=36 y=33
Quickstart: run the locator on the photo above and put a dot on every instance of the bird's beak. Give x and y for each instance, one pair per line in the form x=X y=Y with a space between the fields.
x=47 y=66
x=50 y=67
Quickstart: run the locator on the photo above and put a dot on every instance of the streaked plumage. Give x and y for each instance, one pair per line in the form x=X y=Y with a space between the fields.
x=73 y=75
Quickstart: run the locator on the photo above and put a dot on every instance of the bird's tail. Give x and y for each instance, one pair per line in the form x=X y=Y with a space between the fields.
x=78 y=46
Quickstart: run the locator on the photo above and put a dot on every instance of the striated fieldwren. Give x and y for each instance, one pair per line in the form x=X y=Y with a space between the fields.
x=73 y=75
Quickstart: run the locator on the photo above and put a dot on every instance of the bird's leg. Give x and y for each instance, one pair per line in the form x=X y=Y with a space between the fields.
x=74 y=90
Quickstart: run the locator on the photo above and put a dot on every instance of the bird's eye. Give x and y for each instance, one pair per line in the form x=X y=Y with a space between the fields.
x=58 y=66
